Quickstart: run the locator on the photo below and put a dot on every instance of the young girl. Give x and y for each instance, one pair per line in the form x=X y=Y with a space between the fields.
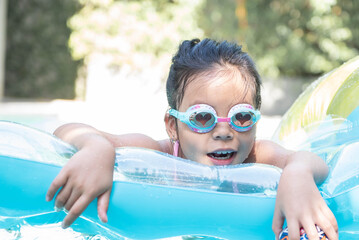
x=213 y=90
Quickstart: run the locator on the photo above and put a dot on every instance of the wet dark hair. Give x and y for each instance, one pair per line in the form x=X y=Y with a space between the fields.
x=196 y=57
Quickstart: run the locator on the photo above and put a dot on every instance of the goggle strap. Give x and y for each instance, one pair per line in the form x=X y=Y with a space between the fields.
x=179 y=115
x=175 y=113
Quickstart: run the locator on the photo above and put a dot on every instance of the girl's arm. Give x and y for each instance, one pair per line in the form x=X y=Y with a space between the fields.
x=298 y=198
x=89 y=172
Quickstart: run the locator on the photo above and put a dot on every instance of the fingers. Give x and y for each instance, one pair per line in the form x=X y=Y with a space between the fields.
x=278 y=221
x=71 y=200
x=328 y=229
x=77 y=203
x=102 y=205
x=76 y=186
x=311 y=230
x=76 y=210
x=329 y=224
x=63 y=196
x=330 y=217
x=58 y=182
x=322 y=221
x=293 y=230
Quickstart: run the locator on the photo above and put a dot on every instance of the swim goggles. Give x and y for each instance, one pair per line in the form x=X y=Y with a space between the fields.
x=202 y=118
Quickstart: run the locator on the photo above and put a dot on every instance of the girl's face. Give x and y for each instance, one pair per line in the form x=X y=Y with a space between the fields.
x=223 y=145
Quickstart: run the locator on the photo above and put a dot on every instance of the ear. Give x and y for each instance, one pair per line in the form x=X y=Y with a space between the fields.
x=171 y=126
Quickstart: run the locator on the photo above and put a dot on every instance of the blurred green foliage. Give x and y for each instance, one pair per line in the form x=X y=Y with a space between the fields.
x=291 y=38
x=38 y=60
x=286 y=38
x=303 y=37
x=140 y=34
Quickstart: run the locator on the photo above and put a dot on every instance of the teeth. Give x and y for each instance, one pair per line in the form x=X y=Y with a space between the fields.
x=223 y=152
x=221 y=155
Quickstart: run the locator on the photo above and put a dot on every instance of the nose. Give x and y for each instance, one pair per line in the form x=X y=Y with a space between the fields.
x=222 y=131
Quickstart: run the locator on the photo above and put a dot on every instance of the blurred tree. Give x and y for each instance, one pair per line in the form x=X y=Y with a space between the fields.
x=218 y=20
x=291 y=38
x=305 y=38
x=139 y=34
x=38 y=61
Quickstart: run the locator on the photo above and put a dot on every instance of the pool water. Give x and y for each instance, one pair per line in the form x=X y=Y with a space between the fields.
x=45 y=232
x=33 y=227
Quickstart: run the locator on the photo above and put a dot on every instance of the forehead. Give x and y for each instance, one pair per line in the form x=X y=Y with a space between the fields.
x=222 y=88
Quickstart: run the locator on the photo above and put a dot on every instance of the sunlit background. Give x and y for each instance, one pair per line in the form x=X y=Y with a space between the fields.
x=105 y=62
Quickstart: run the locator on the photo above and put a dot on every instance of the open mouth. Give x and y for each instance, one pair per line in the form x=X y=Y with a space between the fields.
x=222 y=157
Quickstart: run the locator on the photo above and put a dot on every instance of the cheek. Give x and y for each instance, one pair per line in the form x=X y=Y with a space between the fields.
x=190 y=143
x=250 y=138
x=246 y=140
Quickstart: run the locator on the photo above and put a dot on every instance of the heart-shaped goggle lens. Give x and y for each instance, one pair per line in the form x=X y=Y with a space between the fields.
x=202 y=119
x=243 y=119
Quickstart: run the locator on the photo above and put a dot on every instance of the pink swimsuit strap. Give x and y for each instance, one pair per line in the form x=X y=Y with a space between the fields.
x=175 y=148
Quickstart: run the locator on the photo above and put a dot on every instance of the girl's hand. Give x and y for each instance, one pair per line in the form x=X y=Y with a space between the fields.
x=300 y=203
x=87 y=175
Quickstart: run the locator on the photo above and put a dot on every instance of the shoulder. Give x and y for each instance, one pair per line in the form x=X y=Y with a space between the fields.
x=269 y=152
